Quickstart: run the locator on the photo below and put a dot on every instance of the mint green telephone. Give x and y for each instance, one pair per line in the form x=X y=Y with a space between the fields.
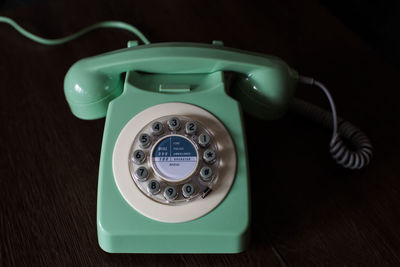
x=173 y=168
x=173 y=174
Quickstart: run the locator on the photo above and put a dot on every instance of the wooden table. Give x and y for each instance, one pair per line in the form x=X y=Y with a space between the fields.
x=306 y=211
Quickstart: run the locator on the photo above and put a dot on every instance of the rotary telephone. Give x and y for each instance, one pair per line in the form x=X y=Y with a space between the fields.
x=173 y=174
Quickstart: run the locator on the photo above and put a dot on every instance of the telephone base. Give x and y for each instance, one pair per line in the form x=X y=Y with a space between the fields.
x=121 y=228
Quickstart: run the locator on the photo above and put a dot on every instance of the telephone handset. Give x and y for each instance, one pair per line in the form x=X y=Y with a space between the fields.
x=173 y=174
x=266 y=84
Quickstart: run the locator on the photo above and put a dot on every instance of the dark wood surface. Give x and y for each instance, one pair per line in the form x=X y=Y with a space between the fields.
x=306 y=211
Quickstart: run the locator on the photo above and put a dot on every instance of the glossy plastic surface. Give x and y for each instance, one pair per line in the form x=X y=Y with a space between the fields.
x=176 y=72
x=121 y=228
x=265 y=86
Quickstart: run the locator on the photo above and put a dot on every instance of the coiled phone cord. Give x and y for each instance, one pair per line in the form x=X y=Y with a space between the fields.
x=349 y=146
x=356 y=156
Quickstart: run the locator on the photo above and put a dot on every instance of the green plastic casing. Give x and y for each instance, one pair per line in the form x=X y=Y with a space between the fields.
x=94 y=88
x=264 y=85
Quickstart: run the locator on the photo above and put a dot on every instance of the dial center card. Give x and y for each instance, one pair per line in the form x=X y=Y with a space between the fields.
x=175 y=158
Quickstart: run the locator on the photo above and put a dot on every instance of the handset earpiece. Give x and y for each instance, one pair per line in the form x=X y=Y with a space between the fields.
x=88 y=92
x=265 y=91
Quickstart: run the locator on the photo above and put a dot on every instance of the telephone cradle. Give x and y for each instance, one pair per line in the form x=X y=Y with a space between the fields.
x=173 y=174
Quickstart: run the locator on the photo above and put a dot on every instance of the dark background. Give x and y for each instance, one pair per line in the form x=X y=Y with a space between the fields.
x=376 y=22
x=306 y=211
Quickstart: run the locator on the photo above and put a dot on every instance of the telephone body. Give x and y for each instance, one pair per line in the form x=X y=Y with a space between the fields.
x=173 y=174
